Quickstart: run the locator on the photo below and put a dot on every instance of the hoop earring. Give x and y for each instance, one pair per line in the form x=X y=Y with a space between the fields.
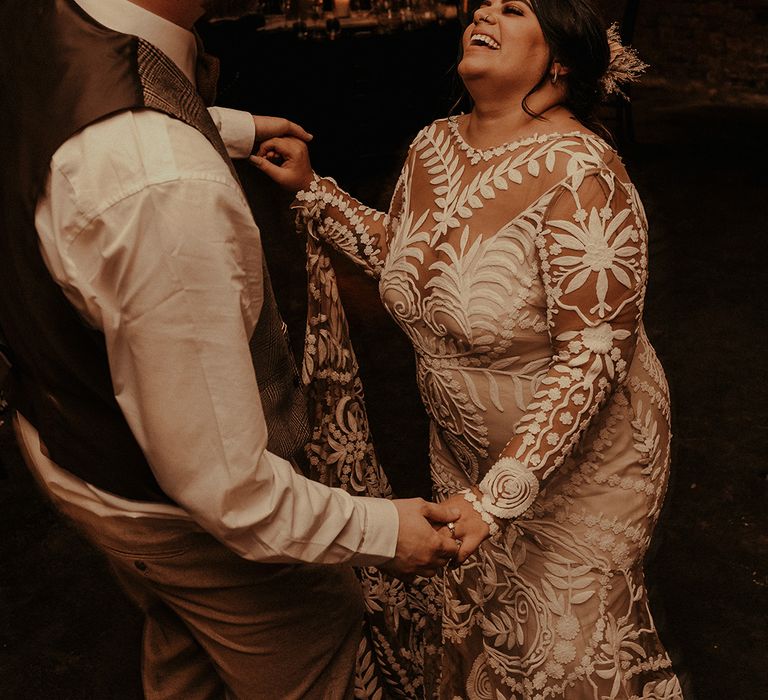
x=555 y=76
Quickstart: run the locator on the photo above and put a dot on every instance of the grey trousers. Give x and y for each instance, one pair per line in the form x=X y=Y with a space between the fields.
x=219 y=626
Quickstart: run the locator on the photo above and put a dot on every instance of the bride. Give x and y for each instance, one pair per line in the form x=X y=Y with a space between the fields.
x=514 y=256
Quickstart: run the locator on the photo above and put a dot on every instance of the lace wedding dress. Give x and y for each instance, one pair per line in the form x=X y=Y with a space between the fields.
x=518 y=273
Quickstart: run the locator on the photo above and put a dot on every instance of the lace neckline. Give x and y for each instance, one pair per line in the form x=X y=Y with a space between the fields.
x=476 y=155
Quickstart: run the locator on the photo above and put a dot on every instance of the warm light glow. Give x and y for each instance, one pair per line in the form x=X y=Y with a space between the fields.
x=341 y=8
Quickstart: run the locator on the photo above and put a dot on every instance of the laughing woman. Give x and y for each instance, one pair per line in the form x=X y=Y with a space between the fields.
x=514 y=257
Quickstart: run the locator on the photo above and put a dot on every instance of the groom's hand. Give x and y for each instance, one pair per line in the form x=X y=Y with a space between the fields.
x=274 y=127
x=421 y=549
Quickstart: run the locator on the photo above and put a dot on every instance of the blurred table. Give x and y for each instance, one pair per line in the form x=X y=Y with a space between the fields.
x=364 y=21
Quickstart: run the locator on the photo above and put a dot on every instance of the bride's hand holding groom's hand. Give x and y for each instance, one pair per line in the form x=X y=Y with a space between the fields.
x=469 y=527
x=286 y=161
x=421 y=549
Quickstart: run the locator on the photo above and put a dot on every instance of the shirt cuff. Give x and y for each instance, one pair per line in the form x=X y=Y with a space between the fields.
x=237 y=130
x=382 y=525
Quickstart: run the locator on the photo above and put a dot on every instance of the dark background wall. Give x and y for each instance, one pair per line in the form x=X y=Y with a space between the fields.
x=709 y=50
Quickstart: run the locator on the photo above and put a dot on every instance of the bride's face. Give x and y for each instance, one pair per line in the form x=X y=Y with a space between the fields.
x=504 y=46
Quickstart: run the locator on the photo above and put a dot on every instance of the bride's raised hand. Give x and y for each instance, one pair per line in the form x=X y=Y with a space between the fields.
x=469 y=528
x=286 y=161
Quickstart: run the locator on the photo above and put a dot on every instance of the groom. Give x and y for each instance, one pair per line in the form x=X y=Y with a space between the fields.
x=157 y=400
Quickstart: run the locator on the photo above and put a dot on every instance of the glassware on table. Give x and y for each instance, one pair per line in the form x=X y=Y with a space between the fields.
x=289 y=9
x=332 y=27
x=387 y=15
x=407 y=15
x=341 y=8
x=300 y=29
x=440 y=12
x=426 y=11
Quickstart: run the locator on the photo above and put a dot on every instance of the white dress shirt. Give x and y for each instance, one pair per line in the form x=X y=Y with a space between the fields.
x=150 y=237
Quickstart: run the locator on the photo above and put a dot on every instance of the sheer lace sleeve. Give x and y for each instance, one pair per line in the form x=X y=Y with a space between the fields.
x=357 y=231
x=592 y=251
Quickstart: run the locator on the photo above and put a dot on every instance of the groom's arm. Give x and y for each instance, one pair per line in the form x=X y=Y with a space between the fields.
x=242 y=131
x=166 y=262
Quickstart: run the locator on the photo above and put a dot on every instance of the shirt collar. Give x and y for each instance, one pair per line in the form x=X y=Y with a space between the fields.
x=123 y=16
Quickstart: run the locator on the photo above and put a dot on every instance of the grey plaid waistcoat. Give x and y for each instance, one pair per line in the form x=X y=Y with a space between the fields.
x=167 y=89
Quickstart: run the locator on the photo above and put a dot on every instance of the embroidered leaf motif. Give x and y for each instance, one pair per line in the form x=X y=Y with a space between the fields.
x=523 y=316
x=581 y=597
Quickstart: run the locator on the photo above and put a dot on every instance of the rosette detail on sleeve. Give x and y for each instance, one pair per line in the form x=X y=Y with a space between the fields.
x=509 y=488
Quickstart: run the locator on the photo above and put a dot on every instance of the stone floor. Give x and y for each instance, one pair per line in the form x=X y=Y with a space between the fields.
x=66 y=633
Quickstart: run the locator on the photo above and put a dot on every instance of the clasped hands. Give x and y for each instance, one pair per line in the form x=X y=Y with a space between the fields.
x=435 y=535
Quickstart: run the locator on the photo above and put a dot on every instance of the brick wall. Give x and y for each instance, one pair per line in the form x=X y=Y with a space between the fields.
x=716 y=51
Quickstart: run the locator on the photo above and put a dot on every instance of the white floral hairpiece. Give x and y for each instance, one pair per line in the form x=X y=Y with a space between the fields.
x=625 y=65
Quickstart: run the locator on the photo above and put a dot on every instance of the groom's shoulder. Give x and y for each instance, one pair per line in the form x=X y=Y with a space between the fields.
x=119 y=155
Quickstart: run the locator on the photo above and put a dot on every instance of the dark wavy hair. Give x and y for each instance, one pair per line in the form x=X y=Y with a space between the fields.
x=577 y=38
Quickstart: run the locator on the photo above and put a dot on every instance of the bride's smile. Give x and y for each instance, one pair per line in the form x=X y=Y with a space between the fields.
x=504 y=43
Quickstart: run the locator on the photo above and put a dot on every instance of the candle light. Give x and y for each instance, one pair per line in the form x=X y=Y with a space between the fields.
x=341 y=8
